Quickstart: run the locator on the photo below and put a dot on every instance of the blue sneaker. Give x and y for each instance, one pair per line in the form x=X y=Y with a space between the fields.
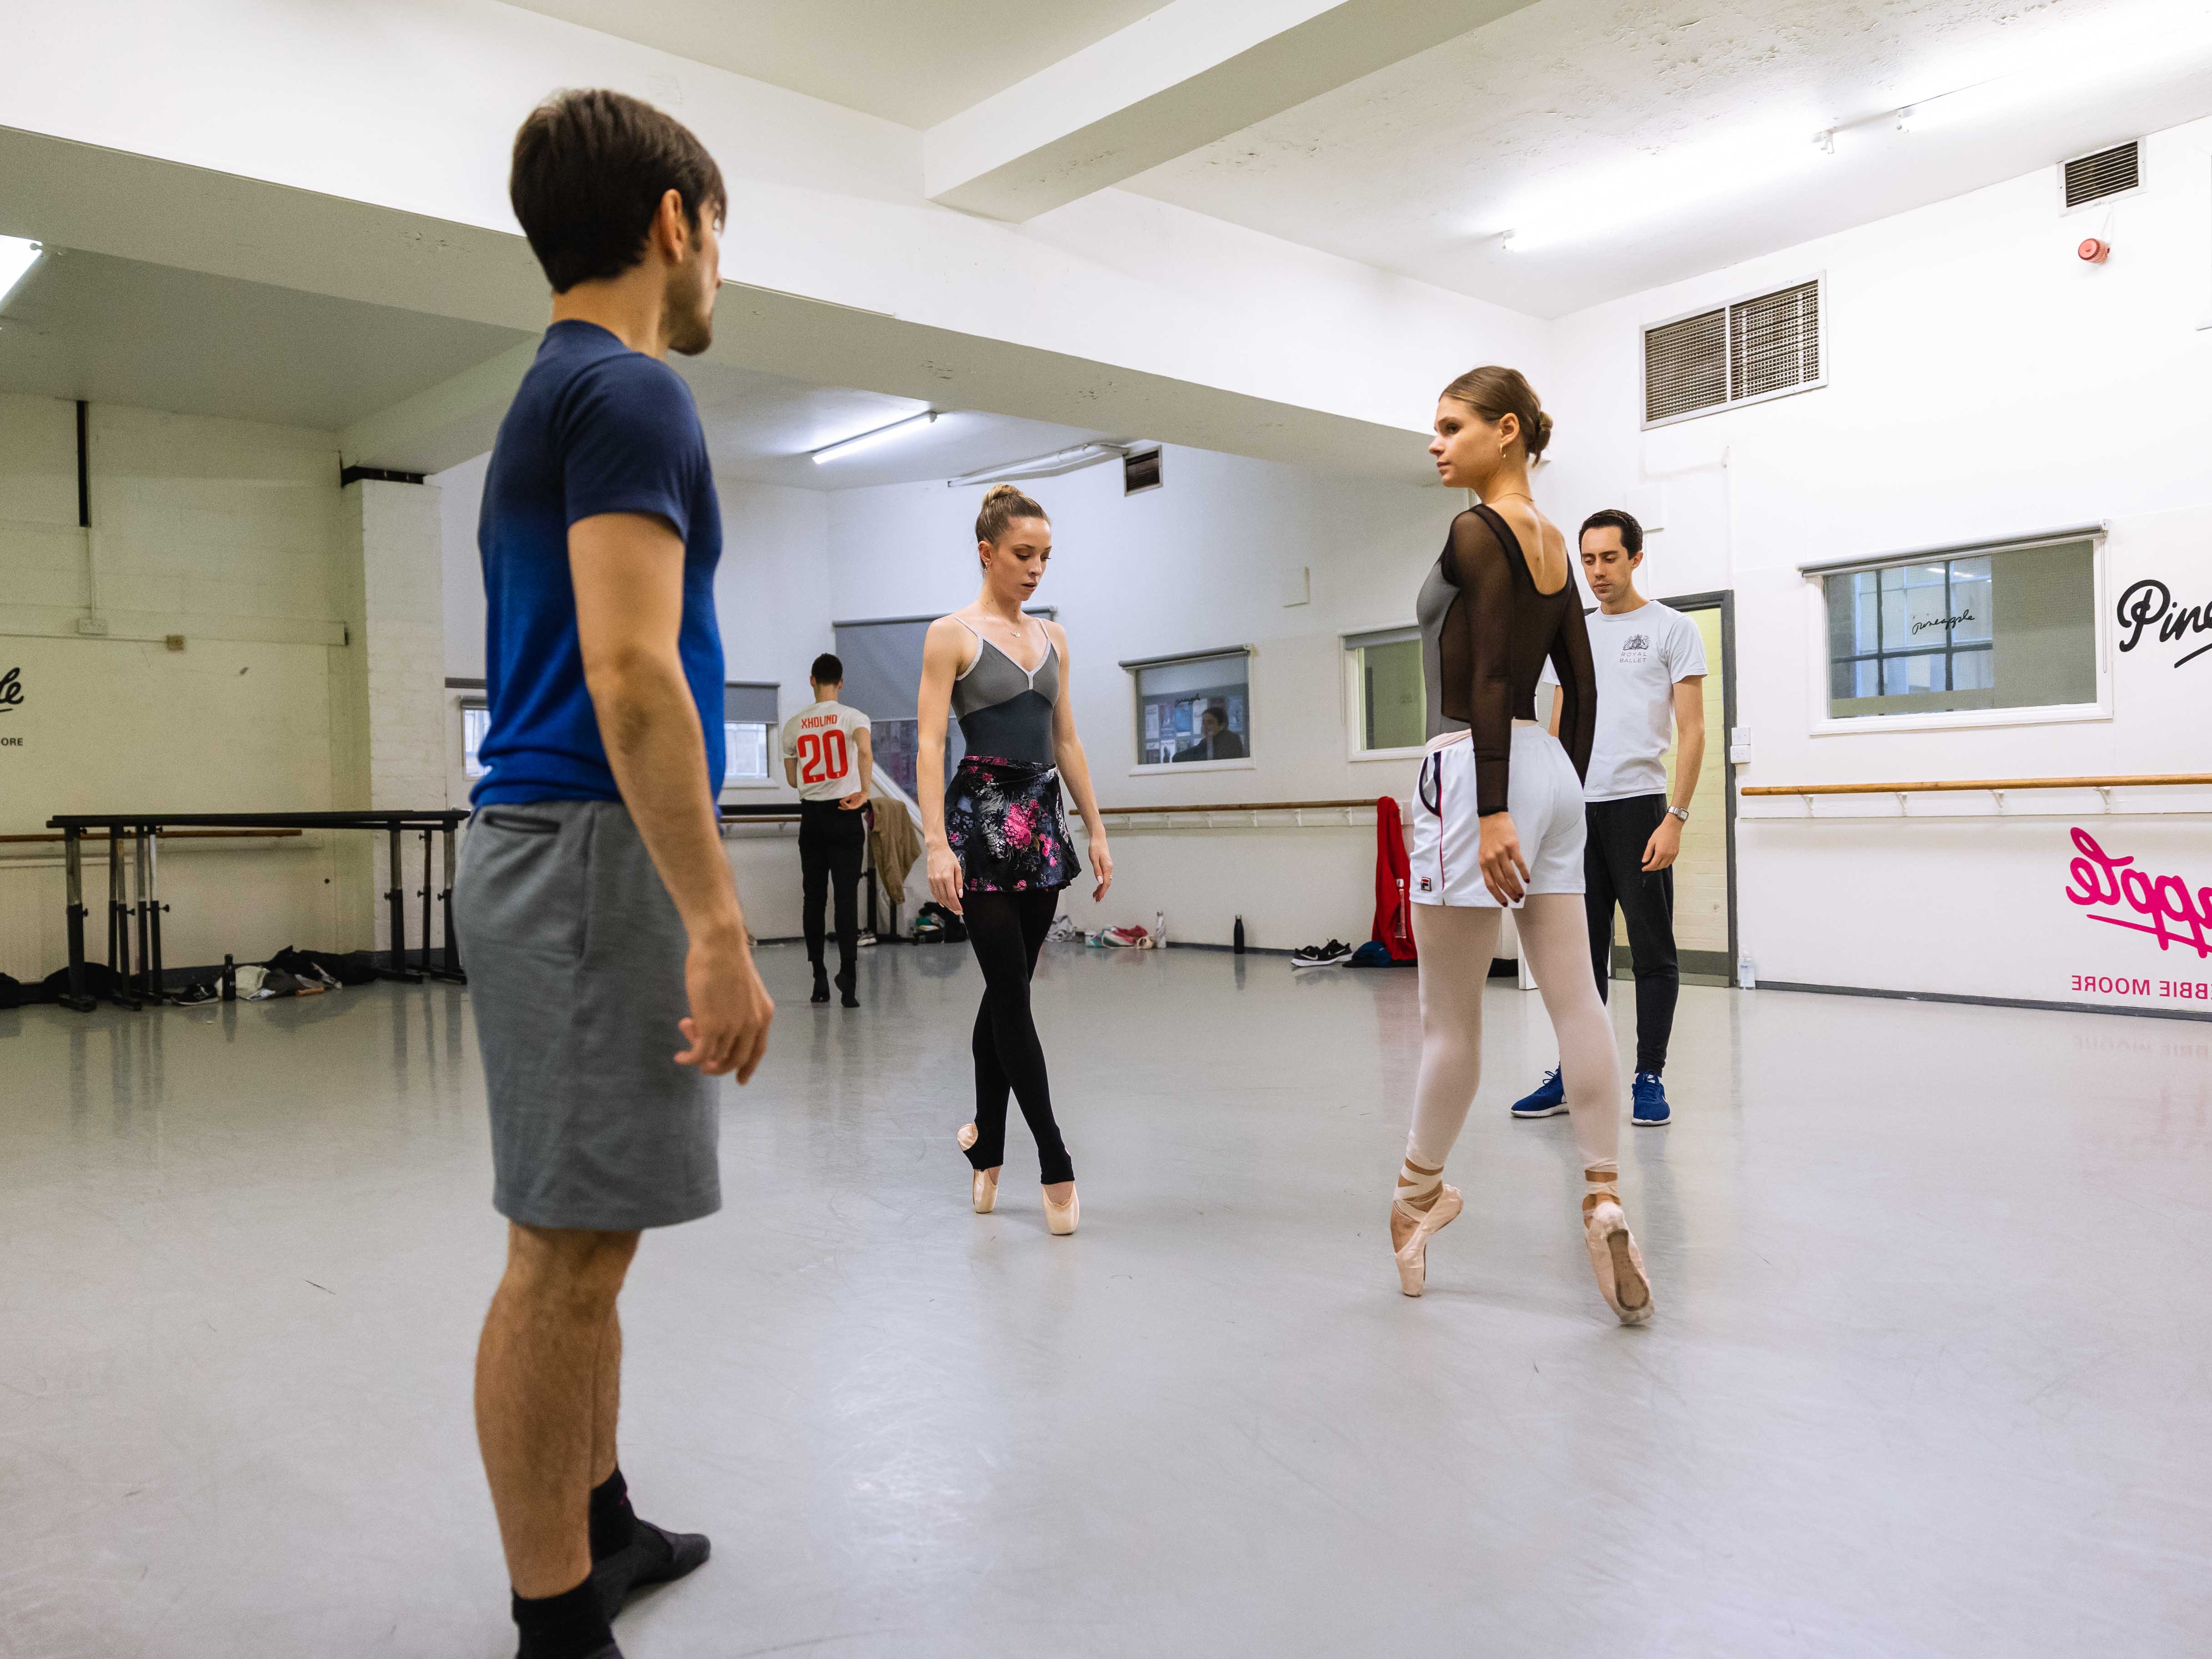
x=1549 y=1099
x=1651 y=1107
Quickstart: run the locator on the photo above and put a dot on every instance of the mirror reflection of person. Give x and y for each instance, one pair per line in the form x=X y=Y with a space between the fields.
x=1215 y=742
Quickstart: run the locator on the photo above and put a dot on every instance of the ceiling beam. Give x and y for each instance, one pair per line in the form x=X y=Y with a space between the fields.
x=1193 y=72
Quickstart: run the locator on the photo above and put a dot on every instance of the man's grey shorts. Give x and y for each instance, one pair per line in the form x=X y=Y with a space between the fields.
x=574 y=954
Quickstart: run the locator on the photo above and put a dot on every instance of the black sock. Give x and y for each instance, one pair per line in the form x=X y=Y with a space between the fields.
x=569 y=1626
x=613 y=1520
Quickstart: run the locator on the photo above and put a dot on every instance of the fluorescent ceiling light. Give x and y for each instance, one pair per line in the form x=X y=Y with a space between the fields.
x=1050 y=466
x=861 y=441
x=16 y=258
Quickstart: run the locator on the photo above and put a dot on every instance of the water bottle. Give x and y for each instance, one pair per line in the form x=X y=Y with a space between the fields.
x=229 y=979
x=1238 y=937
x=1746 y=973
x=1159 y=929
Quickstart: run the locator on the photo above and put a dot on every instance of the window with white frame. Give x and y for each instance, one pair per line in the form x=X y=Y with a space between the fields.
x=1193 y=709
x=476 y=720
x=2010 y=626
x=749 y=727
x=1389 y=701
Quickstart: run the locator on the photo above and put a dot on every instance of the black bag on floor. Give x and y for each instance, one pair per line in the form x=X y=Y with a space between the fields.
x=12 y=994
x=355 y=967
x=101 y=983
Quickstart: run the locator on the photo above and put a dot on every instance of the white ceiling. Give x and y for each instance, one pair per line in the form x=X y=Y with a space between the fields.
x=117 y=330
x=154 y=337
x=1674 y=141
x=912 y=61
x=764 y=427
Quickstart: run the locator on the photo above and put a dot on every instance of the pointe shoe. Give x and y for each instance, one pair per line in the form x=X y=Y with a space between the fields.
x=1619 y=1264
x=1059 y=1219
x=982 y=1184
x=1411 y=1230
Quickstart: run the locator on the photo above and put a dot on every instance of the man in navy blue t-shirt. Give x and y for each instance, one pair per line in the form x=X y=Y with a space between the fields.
x=609 y=973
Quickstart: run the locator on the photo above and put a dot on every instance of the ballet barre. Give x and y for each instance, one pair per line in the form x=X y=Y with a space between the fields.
x=145 y=831
x=2000 y=787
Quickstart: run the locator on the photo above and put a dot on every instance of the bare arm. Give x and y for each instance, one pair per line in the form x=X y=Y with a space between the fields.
x=867 y=750
x=1075 y=767
x=628 y=570
x=1665 y=842
x=1689 y=736
x=791 y=771
x=944 y=653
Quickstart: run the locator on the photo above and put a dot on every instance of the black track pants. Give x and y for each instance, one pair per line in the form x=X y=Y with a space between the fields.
x=1007 y=930
x=831 y=843
x=1614 y=873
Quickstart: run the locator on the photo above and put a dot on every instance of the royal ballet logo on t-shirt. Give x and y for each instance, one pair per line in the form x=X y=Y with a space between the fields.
x=1637 y=647
x=2172 y=913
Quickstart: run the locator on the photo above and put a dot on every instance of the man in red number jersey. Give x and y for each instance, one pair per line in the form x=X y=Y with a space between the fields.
x=826 y=759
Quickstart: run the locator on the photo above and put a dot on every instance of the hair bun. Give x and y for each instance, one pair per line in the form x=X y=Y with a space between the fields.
x=1538 y=442
x=1000 y=492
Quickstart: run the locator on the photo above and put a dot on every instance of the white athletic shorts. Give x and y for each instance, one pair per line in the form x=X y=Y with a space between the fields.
x=1542 y=794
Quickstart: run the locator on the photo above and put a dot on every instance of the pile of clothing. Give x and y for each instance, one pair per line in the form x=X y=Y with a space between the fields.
x=1130 y=937
x=288 y=973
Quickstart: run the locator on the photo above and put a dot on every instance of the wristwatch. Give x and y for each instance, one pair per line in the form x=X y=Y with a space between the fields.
x=1681 y=812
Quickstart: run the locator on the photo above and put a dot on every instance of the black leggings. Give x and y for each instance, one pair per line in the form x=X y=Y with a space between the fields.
x=1614 y=873
x=1007 y=930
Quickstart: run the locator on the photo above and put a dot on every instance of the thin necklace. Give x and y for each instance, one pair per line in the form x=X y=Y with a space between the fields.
x=1513 y=495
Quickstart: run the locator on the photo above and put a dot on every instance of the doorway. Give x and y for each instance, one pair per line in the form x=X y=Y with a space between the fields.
x=1704 y=872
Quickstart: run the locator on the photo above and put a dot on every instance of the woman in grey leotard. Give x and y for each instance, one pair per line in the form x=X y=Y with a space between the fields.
x=997 y=838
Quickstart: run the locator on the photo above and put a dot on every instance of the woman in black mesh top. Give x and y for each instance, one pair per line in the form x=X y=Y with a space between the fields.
x=1497 y=824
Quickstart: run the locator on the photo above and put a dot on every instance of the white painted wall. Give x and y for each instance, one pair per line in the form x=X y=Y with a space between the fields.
x=229 y=534
x=1984 y=382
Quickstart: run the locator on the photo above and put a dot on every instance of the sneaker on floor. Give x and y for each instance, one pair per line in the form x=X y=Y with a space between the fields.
x=1651 y=1108
x=1547 y=1099
x=1330 y=955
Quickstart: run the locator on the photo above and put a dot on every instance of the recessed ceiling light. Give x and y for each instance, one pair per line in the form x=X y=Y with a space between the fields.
x=860 y=440
x=17 y=256
x=1510 y=241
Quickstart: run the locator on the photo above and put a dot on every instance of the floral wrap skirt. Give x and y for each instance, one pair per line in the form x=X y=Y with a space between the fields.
x=1008 y=826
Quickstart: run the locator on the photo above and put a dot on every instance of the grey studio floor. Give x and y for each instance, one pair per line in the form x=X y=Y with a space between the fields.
x=1929 y=1375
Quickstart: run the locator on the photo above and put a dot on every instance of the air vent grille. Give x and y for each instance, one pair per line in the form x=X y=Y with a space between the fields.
x=1140 y=473
x=2109 y=171
x=1774 y=341
x=1686 y=366
x=1756 y=348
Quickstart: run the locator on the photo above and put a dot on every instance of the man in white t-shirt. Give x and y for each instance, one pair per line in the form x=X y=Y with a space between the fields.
x=827 y=759
x=1650 y=663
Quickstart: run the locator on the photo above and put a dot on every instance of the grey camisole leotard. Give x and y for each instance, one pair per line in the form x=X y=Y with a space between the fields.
x=1004 y=712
